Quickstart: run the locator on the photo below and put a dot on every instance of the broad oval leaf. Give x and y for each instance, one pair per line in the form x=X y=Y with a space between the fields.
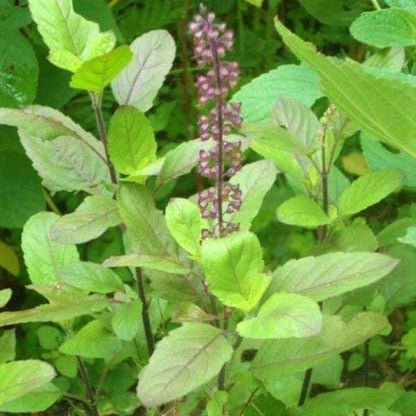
x=187 y=358
x=71 y=38
x=87 y=222
x=303 y=212
x=131 y=140
x=184 y=222
x=386 y=28
x=94 y=75
x=290 y=356
x=138 y=84
x=92 y=341
x=233 y=266
x=368 y=190
x=44 y=257
x=126 y=320
x=331 y=274
x=288 y=81
x=21 y=377
x=283 y=315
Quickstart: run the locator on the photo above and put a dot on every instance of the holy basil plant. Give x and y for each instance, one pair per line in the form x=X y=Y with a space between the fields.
x=185 y=314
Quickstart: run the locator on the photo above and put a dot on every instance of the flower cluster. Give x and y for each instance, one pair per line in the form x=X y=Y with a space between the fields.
x=211 y=42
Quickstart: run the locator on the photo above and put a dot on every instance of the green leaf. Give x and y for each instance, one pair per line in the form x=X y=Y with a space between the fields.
x=216 y=404
x=146 y=225
x=187 y=358
x=255 y=180
x=288 y=81
x=410 y=237
x=299 y=121
x=256 y=3
x=19 y=69
x=8 y=260
x=49 y=337
x=44 y=257
x=64 y=306
x=368 y=190
x=386 y=28
x=303 y=212
x=131 y=140
x=5 y=295
x=373 y=102
x=126 y=320
x=401 y=3
x=67 y=164
x=12 y=17
x=289 y=356
x=96 y=74
x=335 y=12
x=37 y=400
x=71 y=38
x=331 y=274
x=21 y=194
x=233 y=267
x=21 y=377
x=8 y=346
x=184 y=222
x=138 y=84
x=90 y=220
x=92 y=341
x=91 y=277
x=164 y=264
x=378 y=158
x=283 y=315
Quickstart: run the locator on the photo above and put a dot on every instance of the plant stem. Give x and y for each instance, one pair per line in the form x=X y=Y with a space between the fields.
x=96 y=105
x=323 y=231
x=50 y=202
x=220 y=167
x=376 y=4
x=90 y=392
x=145 y=312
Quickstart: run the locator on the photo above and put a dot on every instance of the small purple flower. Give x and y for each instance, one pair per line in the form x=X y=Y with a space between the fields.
x=211 y=42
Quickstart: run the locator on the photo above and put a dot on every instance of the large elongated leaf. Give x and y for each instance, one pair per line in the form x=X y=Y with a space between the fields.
x=37 y=400
x=96 y=74
x=288 y=81
x=21 y=377
x=331 y=274
x=87 y=222
x=44 y=257
x=59 y=310
x=233 y=266
x=254 y=180
x=386 y=28
x=66 y=164
x=138 y=84
x=70 y=37
x=368 y=190
x=284 y=357
x=126 y=320
x=131 y=140
x=373 y=102
x=165 y=264
x=184 y=360
x=283 y=315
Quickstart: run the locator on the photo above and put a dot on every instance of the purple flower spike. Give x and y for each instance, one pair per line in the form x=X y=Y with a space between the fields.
x=211 y=42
